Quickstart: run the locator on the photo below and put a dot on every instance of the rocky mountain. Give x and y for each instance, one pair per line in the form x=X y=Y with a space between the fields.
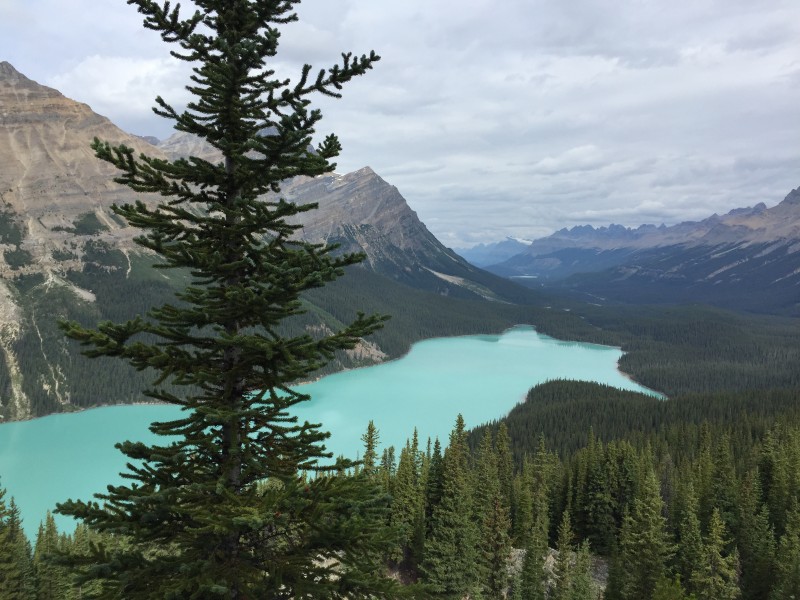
x=361 y=212
x=65 y=255
x=49 y=178
x=747 y=259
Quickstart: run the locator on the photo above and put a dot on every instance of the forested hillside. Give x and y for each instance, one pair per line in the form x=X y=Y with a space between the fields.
x=697 y=495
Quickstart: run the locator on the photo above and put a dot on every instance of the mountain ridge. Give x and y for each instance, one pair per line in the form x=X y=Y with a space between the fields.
x=747 y=259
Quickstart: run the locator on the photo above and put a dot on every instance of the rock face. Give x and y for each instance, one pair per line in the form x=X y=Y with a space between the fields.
x=746 y=259
x=363 y=213
x=54 y=204
x=50 y=179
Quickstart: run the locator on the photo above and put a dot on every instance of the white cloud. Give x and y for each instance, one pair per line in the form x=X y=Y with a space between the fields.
x=124 y=87
x=515 y=118
x=581 y=158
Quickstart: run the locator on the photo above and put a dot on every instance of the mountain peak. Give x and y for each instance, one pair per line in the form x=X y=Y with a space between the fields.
x=792 y=197
x=9 y=74
x=6 y=69
x=364 y=172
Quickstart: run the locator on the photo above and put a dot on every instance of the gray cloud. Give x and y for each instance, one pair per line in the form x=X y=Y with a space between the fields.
x=499 y=119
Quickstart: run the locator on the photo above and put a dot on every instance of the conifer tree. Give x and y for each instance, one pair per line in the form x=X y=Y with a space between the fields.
x=644 y=545
x=505 y=465
x=16 y=567
x=755 y=541
x=704 y=476
x=534 y=578
x=582 y=587
x=433 y=485
x=370 y=438
x=516 y=586
x=775 y=474
x=51 y=579
x=199 y=523
x=563 y=570
x=450 y=550
x=487 y=480
x=522 y=521
x=407 y=507
x=623 y=477
x=717 y=574
x=787 y=584
x=598 y=509
x=544 y=475
x=690 y=546
x=670 y=589
x=725 y=486
x=487 y=514
x=494 y=548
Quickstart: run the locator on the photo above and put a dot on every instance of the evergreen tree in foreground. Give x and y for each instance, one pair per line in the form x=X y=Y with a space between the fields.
x=219 y=509
x=16 y=567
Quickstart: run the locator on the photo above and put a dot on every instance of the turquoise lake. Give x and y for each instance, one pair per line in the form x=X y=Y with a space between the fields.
x=483 y=377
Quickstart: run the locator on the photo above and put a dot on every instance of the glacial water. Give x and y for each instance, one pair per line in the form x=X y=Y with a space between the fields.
x=483 y=377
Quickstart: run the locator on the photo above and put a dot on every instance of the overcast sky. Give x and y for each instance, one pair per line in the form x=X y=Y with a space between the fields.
x=495 y=119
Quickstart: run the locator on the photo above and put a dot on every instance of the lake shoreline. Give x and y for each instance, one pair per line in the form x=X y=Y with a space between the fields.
x=518 y=326
x=482 y=377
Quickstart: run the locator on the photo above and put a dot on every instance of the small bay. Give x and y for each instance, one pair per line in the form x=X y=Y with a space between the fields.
x=483 y=377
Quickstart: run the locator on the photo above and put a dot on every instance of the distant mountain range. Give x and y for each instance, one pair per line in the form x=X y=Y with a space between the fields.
x=484 y=255
x=65 y=254
x=747 y=259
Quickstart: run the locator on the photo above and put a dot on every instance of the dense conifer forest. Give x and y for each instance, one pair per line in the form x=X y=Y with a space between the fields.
x=717 y=461
x=674 y=350
x=698 y=501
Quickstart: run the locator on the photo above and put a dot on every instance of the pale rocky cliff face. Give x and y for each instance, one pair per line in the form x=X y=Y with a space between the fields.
x=50 y=175
x=362 y=211
x=49 y=181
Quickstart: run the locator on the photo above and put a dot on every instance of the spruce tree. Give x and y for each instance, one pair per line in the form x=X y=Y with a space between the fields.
x=494 y=549
x=787 y=581
x=670 y=589
x=199 y=520
x=690 y=546
x=505 y=465
x=717 y=573
x=563 y=570
x=406 y=509
x=582 y=587
x=523 y=505
x=450 y=556
x=495 y=481
x=533 y=580
x=755 y=541
x=370 y=438
x=52 y=580
x=644 y=544
x=16 y=566
x=433 y=484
